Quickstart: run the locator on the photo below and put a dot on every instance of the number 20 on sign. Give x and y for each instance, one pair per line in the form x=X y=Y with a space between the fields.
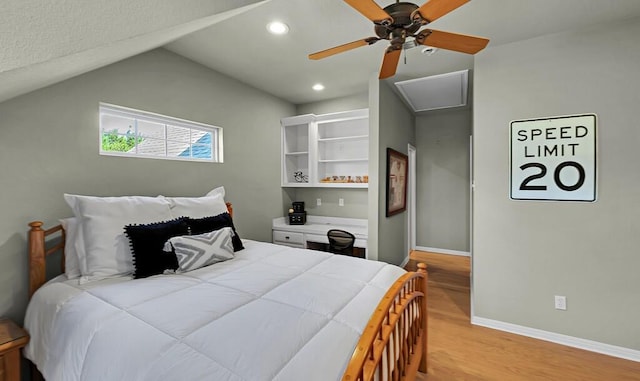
x=554 y=158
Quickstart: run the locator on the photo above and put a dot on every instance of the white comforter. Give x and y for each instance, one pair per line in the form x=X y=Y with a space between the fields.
x=273 y=312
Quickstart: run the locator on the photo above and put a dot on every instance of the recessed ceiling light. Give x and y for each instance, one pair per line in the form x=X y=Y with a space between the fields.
x=318 y=87
x=277 y=27
x=429 y=50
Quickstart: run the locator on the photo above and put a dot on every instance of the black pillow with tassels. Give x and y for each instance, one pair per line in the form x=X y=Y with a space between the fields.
x=147 y=244
x=209 y=224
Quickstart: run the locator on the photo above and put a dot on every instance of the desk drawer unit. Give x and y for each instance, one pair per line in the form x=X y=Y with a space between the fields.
x=288 y=238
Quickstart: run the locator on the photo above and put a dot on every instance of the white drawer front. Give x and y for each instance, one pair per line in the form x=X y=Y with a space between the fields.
x=288 y=237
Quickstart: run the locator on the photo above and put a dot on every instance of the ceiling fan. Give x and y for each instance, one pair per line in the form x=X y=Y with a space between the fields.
x=398 y=22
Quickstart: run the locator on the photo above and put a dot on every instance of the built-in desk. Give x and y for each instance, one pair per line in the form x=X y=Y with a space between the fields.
x=313 y=234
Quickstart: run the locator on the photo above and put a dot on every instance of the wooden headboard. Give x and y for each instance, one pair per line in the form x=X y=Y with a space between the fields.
x=39 y=249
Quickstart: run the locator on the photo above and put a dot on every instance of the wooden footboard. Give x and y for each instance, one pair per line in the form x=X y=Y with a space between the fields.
x=394 y=343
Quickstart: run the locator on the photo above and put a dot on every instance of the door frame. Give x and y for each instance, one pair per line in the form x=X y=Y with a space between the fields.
x=471 y=198
x=411 y=199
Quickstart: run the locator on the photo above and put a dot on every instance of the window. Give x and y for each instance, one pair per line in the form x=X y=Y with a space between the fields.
x=129 y=132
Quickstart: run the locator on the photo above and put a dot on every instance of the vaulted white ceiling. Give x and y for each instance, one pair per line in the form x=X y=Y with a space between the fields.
x=239 y=47
x=46 y=42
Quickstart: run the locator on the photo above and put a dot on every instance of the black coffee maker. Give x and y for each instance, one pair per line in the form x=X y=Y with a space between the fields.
x=297 y=214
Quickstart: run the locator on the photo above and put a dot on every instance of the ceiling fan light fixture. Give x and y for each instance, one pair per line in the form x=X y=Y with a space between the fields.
x=410 y=44
x=318 y=87
x=277 y=27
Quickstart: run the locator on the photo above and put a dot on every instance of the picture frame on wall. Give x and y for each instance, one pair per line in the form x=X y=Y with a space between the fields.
x=397 y=170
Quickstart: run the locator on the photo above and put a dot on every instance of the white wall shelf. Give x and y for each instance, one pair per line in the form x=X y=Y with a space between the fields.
x=343 y=138
x=342 y=160
x=329 y=150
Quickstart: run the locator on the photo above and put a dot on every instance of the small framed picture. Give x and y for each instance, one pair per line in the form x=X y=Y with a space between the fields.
x=397 y=163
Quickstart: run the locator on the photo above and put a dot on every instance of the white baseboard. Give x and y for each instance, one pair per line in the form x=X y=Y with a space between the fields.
x=444 y=251
x=570 y=341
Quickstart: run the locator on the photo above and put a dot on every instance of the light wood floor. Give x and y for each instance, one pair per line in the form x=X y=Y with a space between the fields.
x=460 y=351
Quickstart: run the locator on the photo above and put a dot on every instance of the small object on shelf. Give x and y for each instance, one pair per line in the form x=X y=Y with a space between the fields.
x=345 y=179
x=300 y=177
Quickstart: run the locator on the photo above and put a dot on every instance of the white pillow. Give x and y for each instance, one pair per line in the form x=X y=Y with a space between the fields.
x=219 y=191
x=195 y=251
x=102 y=221
x=71 y=257
x=197 y=207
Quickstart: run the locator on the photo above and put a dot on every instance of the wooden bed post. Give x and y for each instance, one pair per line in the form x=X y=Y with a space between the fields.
x=422 y=269
x=38 y=252
x=37 y=263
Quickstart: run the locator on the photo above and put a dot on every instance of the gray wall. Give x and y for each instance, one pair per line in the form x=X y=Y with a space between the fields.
x=49 y=146
x=526 y=252
x=396 y=125
x=442 y=184
x=355 y=200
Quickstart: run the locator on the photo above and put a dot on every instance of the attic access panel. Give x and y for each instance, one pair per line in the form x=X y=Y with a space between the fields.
x=436 y=92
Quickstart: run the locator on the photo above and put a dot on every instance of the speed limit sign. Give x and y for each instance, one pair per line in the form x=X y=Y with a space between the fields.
x=554 y=158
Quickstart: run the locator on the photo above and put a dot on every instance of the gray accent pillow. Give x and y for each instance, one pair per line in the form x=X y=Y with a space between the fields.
x=195 y=251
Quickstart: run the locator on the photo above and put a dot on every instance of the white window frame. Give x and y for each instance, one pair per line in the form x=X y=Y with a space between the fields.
x=139 y=115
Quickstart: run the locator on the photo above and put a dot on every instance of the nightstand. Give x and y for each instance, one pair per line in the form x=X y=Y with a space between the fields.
x=12 y=338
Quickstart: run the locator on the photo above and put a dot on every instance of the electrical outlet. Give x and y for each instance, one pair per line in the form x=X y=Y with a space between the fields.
x=561 y=302
x=341 y=202
x=319 y=201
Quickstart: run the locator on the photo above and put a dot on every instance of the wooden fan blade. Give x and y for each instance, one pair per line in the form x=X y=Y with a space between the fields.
x=370 y=10
x=390 y=63
x=343 y=48
x=434 y=9
x=452 y=41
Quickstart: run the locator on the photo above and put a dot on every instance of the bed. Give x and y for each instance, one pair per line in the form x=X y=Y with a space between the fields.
x=269 y=312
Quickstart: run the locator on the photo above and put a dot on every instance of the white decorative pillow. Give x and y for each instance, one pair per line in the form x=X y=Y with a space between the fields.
x=195 y=251
x=102 y=221
x=219 y=191
x=197 y=207
x=71 y=259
